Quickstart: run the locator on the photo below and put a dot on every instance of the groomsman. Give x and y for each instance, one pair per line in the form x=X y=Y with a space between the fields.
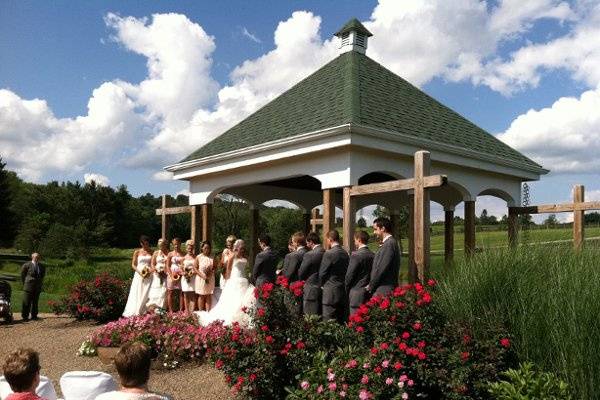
x=359 y=271
x=291 y=269
x=386 y=264
x=309 y=272
x=286 y=259
x=331 y=278
x=265 y=263
x=32 y=276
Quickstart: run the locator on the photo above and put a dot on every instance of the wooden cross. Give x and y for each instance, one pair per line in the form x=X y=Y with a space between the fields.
x=419 y=184
x=316 y=219
x=577 y=207
x=198 y=215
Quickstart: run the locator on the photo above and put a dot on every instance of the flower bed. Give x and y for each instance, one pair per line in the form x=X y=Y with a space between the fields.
x=398 y=346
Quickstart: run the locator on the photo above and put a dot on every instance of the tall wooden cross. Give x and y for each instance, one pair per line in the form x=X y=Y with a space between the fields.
x=420 y=185
x=578 y=207
x=198 y=215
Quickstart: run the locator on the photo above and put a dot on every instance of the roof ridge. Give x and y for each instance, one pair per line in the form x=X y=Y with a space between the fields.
x=351 y=88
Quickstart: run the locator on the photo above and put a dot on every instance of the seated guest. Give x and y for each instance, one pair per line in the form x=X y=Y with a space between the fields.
x=133 y=365
x=22 y=372
x=86 y=385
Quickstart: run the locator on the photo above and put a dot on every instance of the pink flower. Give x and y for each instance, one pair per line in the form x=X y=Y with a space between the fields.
x=332 y=386
x=364 y=380
x=404 y=396
x=403 y=378
x=385 y=363
x=364 y=395
x=504 y=342
x=351 y=364
x=389 y=381
x=410 y=382
x=305 y=385
x=320 y=389
x=342 y=394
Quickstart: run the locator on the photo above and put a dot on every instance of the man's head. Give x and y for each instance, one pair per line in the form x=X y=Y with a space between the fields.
x=298 y=239
x=264 y=240
x=35 y=257
x=360 y=238
x=382 y=227
x=312 y=239
x=133 y=364
x=333 y=237
x=22 y=370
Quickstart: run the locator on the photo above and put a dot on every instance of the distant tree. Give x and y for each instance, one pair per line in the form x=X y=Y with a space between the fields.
x=592 y=218
x=380 y=212
x=551 y=221
x=361 y=223
x=7 y=216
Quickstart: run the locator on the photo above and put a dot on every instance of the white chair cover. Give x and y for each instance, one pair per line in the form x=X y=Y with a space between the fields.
x=45 y=389
x=86 y=385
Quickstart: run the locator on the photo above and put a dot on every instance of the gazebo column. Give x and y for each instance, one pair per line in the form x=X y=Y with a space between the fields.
x=448 y=234
x=207 y=221
x=349 y=220
x=253 y=245
x=196 y=226
x=513 y=227
x=469 y=227
x=306 y=222
x=412 y=266
x=328 y=212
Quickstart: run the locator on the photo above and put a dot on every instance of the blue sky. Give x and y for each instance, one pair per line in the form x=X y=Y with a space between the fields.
x=492 y=62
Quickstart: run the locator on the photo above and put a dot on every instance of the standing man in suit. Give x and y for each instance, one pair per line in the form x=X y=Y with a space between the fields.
x=290 y=271
x=265 y=263
x=309 y=272
x=359 y=271
x=286 y=259
x=331 y=277
x=386 y=264
x=32 y=276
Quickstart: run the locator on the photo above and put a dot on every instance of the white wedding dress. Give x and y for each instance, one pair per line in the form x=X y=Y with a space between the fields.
x=237 y=294
x=139 y=290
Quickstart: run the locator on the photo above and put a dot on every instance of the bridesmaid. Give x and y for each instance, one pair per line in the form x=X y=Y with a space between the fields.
x=225 y=256
x=140 y=285
x=158 y=268
x=188 y=279
x=205 y=277
x=174 y=260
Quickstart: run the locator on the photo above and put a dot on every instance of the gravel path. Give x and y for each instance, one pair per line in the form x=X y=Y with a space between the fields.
x=57 y=339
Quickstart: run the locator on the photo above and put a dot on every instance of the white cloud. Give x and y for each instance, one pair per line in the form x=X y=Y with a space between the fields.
x=100 y=179
x=564 y=137
x=162 y=176
x=183 y=192
x=250 y=36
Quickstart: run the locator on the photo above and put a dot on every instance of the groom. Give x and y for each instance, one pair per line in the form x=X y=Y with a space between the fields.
x=265 y=263
x=386 y=264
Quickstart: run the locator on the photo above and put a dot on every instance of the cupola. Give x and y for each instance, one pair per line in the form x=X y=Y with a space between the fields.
x=353 y=37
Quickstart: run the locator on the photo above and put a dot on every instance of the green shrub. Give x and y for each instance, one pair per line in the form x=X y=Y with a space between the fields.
x=526 y=383
x=548 y=300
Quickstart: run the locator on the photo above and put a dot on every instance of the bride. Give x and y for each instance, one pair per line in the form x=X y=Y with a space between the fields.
x=237 y=295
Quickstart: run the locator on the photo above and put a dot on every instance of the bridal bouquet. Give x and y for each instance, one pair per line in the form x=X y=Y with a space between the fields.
x=176 y=273
x=145 y=271
x=188 y=273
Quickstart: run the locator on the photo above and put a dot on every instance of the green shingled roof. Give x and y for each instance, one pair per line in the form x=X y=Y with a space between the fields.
x=353 y=88
x=353 y=25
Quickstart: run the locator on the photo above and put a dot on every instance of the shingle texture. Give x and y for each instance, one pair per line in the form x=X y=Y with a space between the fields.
x=353 y=88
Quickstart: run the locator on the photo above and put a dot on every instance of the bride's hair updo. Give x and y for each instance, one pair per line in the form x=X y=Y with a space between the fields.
x=240 y=245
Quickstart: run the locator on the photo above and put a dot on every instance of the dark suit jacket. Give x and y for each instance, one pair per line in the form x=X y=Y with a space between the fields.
x=386 y=267
x=332 y=272
x=358 y=275
x=32 y=281
x=309 y=272
x=264 y=268
x=292 y=268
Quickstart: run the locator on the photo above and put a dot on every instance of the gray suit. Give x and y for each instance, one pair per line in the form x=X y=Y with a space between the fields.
x=32 y=278
x=331 y=277
x=309 y=272
x=264 y=268
x=357 y=277
x=386 y=267
x=292 y=268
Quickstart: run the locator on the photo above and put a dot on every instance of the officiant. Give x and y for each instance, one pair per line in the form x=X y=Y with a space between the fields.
x=32 y=276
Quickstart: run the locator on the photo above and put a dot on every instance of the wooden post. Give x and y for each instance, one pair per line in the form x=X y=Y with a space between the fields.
x=578 y=217
x=253 y=245
x=164 y=218
x=328 y=212
x=421 y=218
x=412 y=267
x=469 y=227
x=349 y=220
x=207 y=221
x=513 y=227
x=196 y=225
x=314 y=218
x=306 y=222
x=448 y=235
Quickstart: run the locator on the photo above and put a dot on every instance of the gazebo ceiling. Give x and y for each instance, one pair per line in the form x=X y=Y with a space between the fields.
x=353 y=89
